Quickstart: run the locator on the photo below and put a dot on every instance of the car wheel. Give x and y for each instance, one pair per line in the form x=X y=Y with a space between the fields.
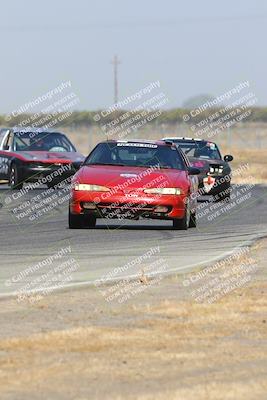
x=90 y=221
x=52 y=185
x=193 y=221
x=182 y=224
x=76 y=221
x=14 y=179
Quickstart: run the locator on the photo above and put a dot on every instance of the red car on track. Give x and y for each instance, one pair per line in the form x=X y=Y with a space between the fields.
x=133 y=179
x=36 y=155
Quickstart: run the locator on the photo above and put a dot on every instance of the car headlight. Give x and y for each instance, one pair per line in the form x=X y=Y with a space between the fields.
x=91 y=188
x=164 y=191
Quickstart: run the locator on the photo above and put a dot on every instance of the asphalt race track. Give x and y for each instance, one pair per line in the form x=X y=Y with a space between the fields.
x=114 y=244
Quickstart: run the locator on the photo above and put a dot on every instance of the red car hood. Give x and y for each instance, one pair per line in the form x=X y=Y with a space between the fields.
x=50 y=156
x=136 y=177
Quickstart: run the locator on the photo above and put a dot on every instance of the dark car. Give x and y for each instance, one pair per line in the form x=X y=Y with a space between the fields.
x=32 y=155
x=215 y=172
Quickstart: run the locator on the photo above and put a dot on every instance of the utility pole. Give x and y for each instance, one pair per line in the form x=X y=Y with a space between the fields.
x=115 y=63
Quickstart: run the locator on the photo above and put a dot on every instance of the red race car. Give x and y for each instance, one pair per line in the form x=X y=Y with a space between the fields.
x=133 y=179
x=36 y=155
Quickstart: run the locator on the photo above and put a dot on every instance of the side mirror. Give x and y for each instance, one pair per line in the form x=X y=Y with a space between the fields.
x=193 y=171
x=228 y=158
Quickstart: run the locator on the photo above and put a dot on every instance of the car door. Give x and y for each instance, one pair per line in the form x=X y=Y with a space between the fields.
x=6 y=137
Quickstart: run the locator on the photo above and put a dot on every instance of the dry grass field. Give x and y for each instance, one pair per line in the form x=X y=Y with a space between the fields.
x=242 y=137
x=161 y=345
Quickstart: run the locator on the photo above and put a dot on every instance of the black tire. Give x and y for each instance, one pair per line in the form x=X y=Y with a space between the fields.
x=193 y=221
x=90 y=221
x=76 y=221
x=14 y=178
x=182 y=224
x=52 y=185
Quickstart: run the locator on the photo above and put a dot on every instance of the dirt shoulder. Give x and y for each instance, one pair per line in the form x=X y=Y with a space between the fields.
x=161 y=344
x=255 y=162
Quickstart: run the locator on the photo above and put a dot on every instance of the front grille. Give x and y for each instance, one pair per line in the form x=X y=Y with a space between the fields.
x=126 y=206
x=38 y=165
x=46 y=165
x=130 y=210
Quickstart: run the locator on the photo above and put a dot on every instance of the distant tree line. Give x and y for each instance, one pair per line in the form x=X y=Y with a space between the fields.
x=87 y=118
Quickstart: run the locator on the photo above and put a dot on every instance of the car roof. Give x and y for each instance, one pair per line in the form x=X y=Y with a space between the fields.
x=187 y=140
x=183 y=138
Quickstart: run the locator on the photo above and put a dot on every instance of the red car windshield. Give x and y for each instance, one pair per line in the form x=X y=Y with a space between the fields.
x=136 y=155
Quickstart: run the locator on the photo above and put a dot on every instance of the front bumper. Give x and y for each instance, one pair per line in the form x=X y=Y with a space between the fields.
x=35 y=172
x=121 y=205
x=222 y=183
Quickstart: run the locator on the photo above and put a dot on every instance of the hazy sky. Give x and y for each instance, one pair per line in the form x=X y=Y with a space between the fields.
x=193 y=47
